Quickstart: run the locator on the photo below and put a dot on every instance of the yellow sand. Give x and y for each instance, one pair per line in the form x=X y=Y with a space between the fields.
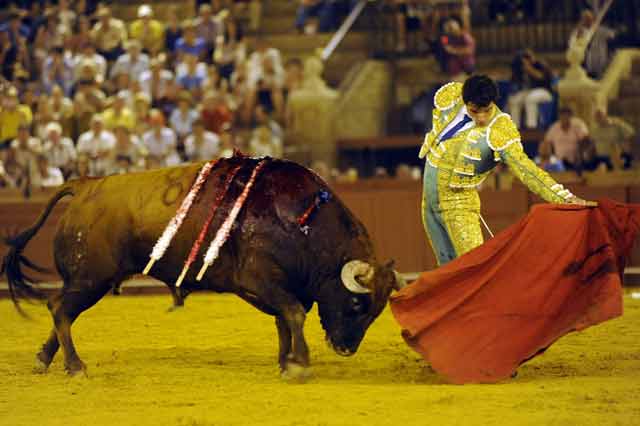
x=214 y=363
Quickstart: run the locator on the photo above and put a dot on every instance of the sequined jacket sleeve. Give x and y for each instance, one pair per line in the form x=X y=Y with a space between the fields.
x=504 y=139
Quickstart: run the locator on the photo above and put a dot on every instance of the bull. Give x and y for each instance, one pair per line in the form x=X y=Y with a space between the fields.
x=111 y=224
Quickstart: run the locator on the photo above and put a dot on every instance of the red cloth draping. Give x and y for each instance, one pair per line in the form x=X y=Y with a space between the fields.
x=559 y=269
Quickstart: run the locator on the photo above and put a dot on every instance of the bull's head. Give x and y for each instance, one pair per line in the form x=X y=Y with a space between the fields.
x=357 y=298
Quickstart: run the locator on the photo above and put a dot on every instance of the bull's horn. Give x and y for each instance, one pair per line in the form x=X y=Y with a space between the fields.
x=400 y=282
x=353 y=269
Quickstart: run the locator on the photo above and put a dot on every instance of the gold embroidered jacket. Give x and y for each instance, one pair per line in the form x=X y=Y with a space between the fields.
x=470 y=155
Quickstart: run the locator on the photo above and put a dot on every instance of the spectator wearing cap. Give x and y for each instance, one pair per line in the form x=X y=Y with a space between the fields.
x=190 y=42
x=97 y=144
x=59 y=150
x=133 y=63
x=567 y=136
x=156 y=81
x=109 y=35
x=89 y=58
x=160 y=141
x=12 y=115
x=58 y=70
x=118 y=114
x=148 y=31
x=46 y=176
x=183 y=117
x=202 y=145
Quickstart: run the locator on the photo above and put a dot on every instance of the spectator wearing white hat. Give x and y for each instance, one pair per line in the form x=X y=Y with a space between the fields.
x=148 y=31
x=59 y=150
x=97 y=144
x=132 y=63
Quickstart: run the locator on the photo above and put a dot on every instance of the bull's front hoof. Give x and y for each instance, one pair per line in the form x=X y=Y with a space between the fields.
x=76 y=369
x=296 y=373
x=40 y=366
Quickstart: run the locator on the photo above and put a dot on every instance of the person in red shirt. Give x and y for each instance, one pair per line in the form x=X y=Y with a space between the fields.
x=215 y=112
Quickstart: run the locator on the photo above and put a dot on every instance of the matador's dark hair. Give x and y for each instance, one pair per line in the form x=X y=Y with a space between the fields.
x=479 y=90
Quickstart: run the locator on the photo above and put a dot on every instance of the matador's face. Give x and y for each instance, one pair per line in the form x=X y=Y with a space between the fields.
x=481 y=115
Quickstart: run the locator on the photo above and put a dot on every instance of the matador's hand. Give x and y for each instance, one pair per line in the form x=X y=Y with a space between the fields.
x=580 y=201
x=423 y=151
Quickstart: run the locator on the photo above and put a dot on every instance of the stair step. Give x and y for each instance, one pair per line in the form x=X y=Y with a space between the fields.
x=298 y=42
x=278 y=25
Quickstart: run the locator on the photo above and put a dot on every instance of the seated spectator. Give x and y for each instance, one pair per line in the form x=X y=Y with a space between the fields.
x=81 y=169
x=88 y=58
x=59 y=150
x=256 y=62
x=209 y=27
x=97 y=144
x=532 y=78
x=109 y=35
x=227 y=142
x=264 y=118
x=61 y=109
x=547 y=161
x=316 y=15
x=190 y=43
x=81 y=35
x=12 y=115
x=410 y=18
x=596 y=56
x=268 y=91
x=128 y=146
x=263 y=143
x=14 y=27
x=172 y=33
x=567 y=136
x=183 y=117
x=42 y=116
x=45 y=175
x=133 y=63
x=58 y=70
x=66 y=18
x=293 y=75
x=612 y=139
x=118 y=114
x=229 y=51
x=148 y=31
x=459 y=49
x=160 y=142
x=191 y=74
x=215 y=112
x=202 y=145
x=156 y=82
x=88 y=101
x=25 y=148
x=141 y=110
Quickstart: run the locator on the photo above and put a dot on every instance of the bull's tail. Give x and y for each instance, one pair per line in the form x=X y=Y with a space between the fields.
x=20 y=285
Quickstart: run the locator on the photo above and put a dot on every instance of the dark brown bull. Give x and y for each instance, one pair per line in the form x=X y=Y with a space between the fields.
x=112 y=223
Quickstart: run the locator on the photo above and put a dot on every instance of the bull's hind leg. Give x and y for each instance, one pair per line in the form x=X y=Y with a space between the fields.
x=46 y=354
x=75 y=298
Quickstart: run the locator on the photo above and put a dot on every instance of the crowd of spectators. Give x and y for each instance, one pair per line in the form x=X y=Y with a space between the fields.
x=87 y=94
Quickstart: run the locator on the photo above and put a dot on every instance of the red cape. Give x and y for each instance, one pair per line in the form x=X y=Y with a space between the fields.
x=559 y=269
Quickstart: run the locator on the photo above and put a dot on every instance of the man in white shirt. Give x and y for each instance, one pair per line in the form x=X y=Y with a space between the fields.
x=133 y=63
x=59 y=150
x=160 y=141
x=89 y=57
x=109 y=34
x=97 y=144
x=45 y=175
x=201 y=145
x=156 y=81
x=257 y=61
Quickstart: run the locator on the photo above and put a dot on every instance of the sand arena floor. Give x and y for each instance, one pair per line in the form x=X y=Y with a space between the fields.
x=214 y=363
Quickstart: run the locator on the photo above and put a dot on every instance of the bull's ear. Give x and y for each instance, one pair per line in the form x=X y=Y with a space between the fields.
x=390 y=264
